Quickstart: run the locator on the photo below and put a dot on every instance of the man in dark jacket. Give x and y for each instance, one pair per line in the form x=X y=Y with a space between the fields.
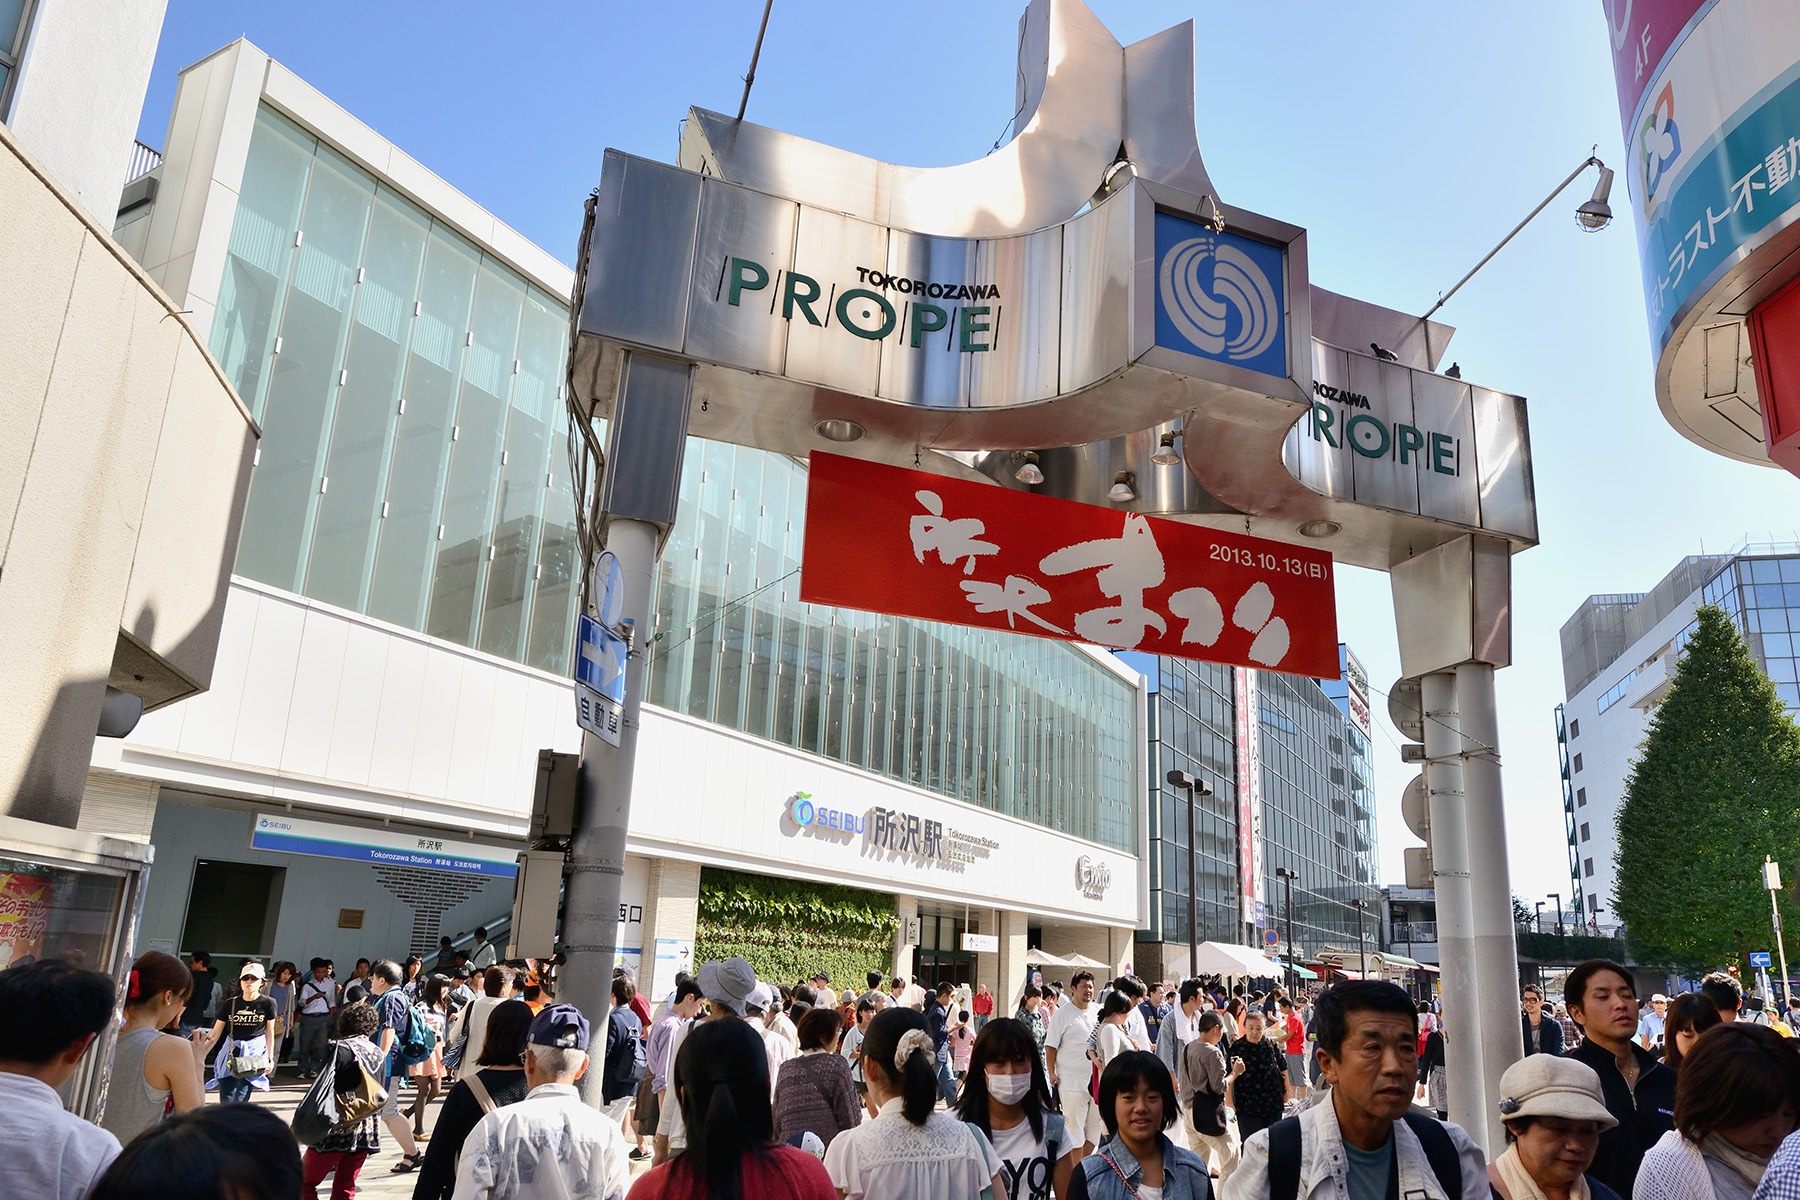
x=1639 y=1091
x=1543 y=1033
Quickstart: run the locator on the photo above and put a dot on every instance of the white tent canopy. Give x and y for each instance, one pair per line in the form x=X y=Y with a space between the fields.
x=1221 y=958
x=1082 y=960
x=1038 y=958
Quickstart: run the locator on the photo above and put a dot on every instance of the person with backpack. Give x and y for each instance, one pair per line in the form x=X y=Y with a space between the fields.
x=494 y=1080
x=403 y=1042
x=624 y=1060
x=1007 y=1096
x=1362 y=1141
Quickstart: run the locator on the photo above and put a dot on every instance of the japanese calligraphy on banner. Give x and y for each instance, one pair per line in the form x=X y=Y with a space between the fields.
x=914 y=544
x=1643 y=32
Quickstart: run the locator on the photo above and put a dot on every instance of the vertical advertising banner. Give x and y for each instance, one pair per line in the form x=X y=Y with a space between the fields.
x=24 y=917
x=1247 y=708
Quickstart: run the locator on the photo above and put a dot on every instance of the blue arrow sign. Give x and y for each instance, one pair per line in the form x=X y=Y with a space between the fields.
x=600 y=659
x=1759 y=958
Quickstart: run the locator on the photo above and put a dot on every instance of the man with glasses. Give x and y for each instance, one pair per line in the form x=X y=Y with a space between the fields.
x=1543 y=1032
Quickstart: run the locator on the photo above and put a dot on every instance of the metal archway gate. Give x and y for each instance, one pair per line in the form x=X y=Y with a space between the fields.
x=1082 y=297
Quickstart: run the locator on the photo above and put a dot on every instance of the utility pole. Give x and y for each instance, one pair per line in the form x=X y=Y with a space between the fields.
x=633 y=510
x=1772 y=881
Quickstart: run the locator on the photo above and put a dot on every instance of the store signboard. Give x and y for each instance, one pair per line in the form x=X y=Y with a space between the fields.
x=981 y=943
x=1390 y=436
x=1644 y=33
x=1713 y=150
x=1356 y=680
x=887 y=539
x=391 y=847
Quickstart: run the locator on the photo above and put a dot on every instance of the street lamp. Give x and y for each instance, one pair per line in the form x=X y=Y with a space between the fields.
x=1361 y=954
x=1592 y=216
x=1195 y=787
x=1559 y=916
x=1287 y=882
x=1772 y=881
x=1538 y=927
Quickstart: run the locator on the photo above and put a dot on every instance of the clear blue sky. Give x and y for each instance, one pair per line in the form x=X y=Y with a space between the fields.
x=1406 y=136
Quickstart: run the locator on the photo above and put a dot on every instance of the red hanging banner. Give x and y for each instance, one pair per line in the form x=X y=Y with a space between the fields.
x=914 y=544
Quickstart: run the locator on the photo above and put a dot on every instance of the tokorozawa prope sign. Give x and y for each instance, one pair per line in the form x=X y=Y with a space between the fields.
x=941 y=549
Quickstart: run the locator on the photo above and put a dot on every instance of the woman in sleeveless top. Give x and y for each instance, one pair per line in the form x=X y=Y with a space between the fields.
x=154 y=1074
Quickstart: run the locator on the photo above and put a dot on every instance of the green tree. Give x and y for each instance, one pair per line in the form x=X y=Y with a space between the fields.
x=1716 y=787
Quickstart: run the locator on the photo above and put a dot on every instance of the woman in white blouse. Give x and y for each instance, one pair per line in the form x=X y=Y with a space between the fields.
x=909 y=1150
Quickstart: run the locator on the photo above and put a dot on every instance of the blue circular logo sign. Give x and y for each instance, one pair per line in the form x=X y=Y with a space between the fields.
x=803 y=811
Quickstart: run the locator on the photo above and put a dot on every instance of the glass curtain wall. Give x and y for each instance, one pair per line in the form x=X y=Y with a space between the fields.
x=1193 y=709
x=1318 y=818
x=1762 y=597
x=1024 y=726
x=412 y=463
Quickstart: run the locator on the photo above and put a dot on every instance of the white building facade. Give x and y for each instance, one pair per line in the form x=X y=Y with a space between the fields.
x=1619 y=657
x=396 y=641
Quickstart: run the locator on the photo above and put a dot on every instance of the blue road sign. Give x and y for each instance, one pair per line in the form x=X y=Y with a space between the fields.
x=600 y=660
x=1759 y=958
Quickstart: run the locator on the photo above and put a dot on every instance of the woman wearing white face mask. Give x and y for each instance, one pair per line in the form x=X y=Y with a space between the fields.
x=1007 y=1096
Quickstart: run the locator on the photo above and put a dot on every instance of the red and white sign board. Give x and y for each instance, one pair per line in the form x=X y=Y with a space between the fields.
x=914 y=544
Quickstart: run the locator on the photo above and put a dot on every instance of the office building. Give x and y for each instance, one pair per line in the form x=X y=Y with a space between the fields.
x=1619 y=656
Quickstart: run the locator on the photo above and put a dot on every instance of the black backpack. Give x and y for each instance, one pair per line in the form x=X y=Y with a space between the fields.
x=1284 y=1156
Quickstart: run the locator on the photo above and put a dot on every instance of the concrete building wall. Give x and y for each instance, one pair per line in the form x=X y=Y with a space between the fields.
x=189 y=828
x=80 y=89
x=124 y=461
x=1608 y=744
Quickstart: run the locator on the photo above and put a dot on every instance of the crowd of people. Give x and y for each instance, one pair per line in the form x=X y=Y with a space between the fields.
x=738 y=1089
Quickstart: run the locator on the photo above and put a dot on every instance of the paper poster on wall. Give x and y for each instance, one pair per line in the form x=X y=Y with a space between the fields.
x=24 y=916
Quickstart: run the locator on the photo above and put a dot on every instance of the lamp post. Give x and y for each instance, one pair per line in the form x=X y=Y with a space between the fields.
x=1287 y=882
x=1596 y=214
x=1772 y=881
x=1361 y=954
x=1538 y=921
x=1194 y=787
x=1559 y=915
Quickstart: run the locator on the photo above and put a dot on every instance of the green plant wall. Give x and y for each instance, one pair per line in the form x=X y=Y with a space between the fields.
x=788 y=930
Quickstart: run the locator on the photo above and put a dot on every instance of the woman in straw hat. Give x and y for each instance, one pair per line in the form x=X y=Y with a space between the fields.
x=1553 y=1112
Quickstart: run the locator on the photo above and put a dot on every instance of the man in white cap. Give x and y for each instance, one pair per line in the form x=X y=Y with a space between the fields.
x=1554 y=1109
x=1651 y=1023
x=727 y=987
x=550 y=1145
